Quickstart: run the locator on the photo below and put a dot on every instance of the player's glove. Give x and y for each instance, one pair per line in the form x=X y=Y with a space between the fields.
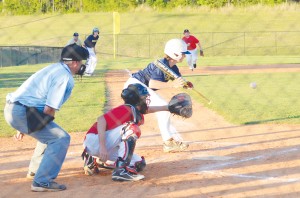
x=188 y=85
x=181 y=104
x=201 y=53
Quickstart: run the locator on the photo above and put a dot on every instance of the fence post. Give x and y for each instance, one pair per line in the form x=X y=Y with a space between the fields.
x=149 y=45
x=276 y=43
x=244 y=43
x=212 y=41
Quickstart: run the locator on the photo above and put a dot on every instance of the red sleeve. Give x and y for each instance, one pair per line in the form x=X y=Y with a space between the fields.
x=118 y=116
x=195 y=40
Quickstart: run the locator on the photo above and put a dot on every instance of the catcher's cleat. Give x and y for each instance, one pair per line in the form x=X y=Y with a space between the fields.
x=51 y=187
x=174 y=146
x=125 y=173
x=122 y=174
x=30 y=175
x=90 y=165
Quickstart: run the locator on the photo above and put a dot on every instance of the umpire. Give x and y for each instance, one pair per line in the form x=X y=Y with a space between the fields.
x=31 y=110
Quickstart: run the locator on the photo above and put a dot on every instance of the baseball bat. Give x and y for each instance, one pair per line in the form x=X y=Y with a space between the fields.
x=173 y=75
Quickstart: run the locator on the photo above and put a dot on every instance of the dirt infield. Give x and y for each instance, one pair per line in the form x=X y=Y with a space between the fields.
x=223 y=160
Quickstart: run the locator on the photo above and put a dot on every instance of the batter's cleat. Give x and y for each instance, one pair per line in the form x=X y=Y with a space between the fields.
x=122 y=174
x=194 y=65
x=174 y=146
x=30 y=175
x=51 y=187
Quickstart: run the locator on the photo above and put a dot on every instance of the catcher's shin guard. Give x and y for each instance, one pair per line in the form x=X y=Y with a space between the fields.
x=130 y=146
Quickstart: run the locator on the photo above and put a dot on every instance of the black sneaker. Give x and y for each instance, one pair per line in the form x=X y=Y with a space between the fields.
x=51 y=187
x=121 y=174
x=194 y=65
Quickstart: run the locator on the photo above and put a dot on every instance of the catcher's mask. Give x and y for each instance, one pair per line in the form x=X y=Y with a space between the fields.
x=137 y=95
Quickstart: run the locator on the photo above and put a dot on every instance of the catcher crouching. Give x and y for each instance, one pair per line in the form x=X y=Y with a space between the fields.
x=111 y=141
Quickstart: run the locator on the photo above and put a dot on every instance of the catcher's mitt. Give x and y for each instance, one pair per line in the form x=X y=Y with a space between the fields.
x=201 y=53
x=181 y=104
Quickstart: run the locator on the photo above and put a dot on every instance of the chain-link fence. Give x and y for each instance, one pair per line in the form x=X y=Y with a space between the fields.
x=149 y=46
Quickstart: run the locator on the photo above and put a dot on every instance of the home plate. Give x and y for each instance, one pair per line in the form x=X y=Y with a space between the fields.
x=211 y=157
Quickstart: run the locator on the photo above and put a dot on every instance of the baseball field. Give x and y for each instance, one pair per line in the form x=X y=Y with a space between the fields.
x=244 y=144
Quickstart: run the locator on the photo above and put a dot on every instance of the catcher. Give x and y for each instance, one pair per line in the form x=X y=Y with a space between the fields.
x=111 y=141
x=154 y=78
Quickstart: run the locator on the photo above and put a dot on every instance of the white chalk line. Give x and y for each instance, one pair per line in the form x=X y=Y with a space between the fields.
x=211 y=167
x=275 y=179
x=129 y=73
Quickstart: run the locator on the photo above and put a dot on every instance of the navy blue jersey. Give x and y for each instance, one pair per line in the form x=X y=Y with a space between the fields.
x=154 y=73
x=91 y=41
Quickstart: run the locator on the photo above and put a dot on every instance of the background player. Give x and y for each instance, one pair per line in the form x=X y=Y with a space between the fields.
x=192 y=43
x=153 y=78
x=90 y=43
x=75 y=40
x=112 y=138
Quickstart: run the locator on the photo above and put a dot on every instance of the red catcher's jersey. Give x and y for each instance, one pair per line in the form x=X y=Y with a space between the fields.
x=192 y=40
x=115 y=118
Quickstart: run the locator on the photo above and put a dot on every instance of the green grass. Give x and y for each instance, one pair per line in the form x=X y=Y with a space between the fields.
x=77 y=114
x=276 y=99
x=56 y=30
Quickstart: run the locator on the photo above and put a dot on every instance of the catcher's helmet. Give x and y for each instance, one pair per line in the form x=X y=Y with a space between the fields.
x=134 y=94
x=174 y=48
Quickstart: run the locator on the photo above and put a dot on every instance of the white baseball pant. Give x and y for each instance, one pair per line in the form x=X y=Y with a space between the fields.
x=115 y=147
x=167 y=130
x=192 y=58
x=91 y=62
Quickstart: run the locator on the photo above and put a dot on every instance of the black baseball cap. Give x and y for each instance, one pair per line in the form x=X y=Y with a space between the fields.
x=186 y=30
x=75 y=34
x=74 y=52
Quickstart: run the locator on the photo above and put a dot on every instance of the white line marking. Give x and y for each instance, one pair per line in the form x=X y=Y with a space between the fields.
x=215 y=166
x=129 y=73
x=276 y=179
x=211 y=157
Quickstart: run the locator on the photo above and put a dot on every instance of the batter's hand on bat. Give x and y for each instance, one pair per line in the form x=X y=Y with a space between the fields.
x=188 y=85
x=178 y=82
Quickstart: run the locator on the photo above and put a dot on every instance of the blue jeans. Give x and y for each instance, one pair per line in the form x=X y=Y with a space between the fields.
x=56 y=139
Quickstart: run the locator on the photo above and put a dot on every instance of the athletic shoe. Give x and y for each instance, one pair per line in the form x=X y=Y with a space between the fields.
x=90 y=171
x=121 y=174
x=90 y=166
x=30 y=175
x=174 y=146
x=51 y=187
x=194 y=65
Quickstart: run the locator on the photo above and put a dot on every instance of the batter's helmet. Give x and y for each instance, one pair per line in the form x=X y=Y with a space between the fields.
x=96 y=30
x=174 y=48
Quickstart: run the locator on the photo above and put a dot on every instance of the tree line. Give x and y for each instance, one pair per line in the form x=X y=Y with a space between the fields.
x=23 y=7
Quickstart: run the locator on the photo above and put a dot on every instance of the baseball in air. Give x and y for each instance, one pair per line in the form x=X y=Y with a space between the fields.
x=253 y=85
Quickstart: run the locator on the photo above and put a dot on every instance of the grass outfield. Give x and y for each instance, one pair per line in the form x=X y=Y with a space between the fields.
x=275 y=100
